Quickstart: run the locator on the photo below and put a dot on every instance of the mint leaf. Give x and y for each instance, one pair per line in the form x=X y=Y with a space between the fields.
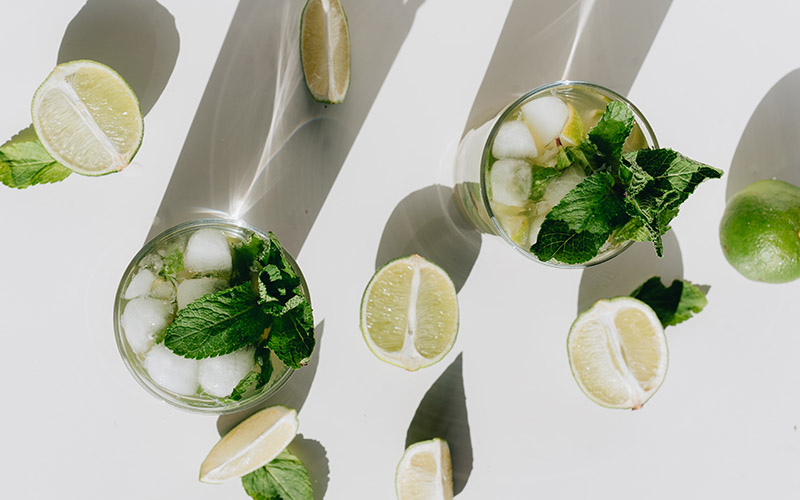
x=284 y=478
x=540 y=178
x=217 y=324
x=259 y=377
x=674 y=304
x=557 y=241
x=611 y=132
x=672 y=178
x=245 y=256
x=292 y=334
x=243 y=385
x=592 y=206
x=173 y=263
x=24 y=162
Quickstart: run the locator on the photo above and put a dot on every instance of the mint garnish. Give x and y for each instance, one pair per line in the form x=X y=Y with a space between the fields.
x=284 y=478
x=266 y=301
x=173 y=263
x=624 y=196
x=674 y=304
x=259 y=376
x=217 y=323
x=24 y=162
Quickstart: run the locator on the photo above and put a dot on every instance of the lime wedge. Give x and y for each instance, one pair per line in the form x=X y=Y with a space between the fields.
x=250 y=445
x=573 y=132
x=425 y=472
x=88 y=118
x=618 y=352
x=409 y=313
x=325 y=50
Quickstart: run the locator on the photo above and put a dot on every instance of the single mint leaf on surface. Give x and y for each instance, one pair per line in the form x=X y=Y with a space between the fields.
x=557 y=241
x=673 y=304
x=592 y=206
x=611 y=132
x=291 y=337
x=217 y=324
x=284 y=478
x=24 y=162
x=540 y=178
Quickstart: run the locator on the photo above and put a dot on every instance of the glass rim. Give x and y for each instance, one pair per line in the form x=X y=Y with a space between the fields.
x=124 y=349
x=639 y=118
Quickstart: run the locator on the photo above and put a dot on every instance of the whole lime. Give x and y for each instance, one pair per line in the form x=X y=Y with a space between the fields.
x=760 y=231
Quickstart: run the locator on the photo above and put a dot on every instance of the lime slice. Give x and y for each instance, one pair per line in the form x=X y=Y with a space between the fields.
x=425 y=472
x=574 y=131
x=618 y=352
x=88 y=118
x=409 y=313
x=325 y=50
x=250 y=445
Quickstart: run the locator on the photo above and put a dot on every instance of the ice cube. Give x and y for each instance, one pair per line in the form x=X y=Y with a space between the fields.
x=207 y=250
x=510 y=182
x=219 y=376
x=514 y=140
x=188 y=290
x=546 y=117
x=140 y=284
x=170 y=371
x=143 y=319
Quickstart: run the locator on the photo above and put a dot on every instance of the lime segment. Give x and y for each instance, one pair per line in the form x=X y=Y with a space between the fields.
x=325 y=50
x=425 y=472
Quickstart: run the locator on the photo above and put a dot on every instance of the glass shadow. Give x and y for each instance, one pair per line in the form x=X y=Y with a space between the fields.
x=600 y=41
x=137 y=38
x=625 y=272
x=769 y=147
x=259 y=147
x=429 y=223
x=442 y=413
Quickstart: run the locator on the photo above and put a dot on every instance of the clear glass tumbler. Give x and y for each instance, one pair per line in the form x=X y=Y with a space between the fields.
x=474 y=160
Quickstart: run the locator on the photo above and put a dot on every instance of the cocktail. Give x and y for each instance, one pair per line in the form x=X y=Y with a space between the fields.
x=512 y=171
x=212 y=316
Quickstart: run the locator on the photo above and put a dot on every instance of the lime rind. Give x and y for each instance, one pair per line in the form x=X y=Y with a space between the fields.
x=50 y=81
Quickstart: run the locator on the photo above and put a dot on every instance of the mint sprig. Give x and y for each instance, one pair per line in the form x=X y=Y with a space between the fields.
x=284 y=478
x=674 y=304
x=265 y=306
x=625 y=196
x=24 y=162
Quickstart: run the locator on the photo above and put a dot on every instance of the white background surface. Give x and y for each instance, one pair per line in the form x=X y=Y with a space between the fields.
x=724 y=424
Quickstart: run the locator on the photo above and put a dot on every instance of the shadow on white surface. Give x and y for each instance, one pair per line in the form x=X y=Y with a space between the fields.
x=315 y=458
x=429 y=223
x=769 y=147
x=625 y=272
x=137 y=38
x=442 y=413
x=601 y=41
x=259 y=148
x=293 y=394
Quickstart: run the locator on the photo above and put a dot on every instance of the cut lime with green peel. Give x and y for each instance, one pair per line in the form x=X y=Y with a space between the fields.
x=760 y=231
x=425 y=472
x=574 y=131
x=618 y=352
x=409 y=313
x=325 y=50
x=88 y=118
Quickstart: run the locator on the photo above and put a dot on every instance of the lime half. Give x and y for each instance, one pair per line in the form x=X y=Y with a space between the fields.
x=325 y=50
x=409 y=313
x=618 y=352
x=88 y=118
x=425 y=472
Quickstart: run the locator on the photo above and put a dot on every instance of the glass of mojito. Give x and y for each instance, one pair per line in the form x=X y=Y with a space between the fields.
x=213 y=316
x=513 y=170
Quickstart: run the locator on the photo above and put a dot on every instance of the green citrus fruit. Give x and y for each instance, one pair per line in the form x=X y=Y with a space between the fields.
x=760 y=231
